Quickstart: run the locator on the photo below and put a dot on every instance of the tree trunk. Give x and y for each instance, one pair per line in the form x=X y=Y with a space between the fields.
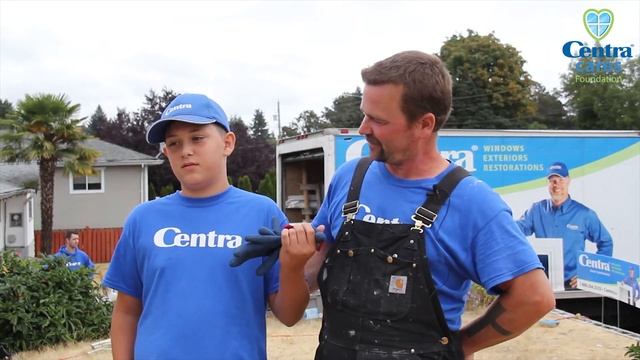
x=47 y=172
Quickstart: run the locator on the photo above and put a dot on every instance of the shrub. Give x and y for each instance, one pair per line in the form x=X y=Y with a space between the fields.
x=44 y=304
x=478 y=298
x=267 y=185
x=244 y=183
x=633 y=351
x=167 y=190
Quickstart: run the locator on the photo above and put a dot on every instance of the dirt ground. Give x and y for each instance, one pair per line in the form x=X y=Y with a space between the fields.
x=571 y=339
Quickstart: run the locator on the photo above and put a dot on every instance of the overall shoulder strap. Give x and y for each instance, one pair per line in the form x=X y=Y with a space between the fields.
x=426 y=214
x=350 y=207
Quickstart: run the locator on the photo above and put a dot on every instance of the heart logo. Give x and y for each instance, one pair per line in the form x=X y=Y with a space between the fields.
x=598 y=22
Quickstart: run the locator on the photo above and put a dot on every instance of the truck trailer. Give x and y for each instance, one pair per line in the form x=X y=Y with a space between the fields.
x=604 y=168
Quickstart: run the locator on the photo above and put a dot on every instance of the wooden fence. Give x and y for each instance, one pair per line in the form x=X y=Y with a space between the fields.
x=97 y=243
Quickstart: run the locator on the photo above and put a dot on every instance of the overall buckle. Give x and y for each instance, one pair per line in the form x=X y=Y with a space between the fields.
x=350 y=209
x=423 y=218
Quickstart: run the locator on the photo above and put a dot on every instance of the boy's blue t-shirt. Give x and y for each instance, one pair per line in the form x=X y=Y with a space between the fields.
x=174 y=255
x=473 y=239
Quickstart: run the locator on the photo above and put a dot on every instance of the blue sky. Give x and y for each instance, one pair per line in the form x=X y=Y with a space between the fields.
x=249 y=55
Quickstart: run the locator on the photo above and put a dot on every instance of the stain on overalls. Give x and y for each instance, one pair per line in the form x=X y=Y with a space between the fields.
x=379 y=300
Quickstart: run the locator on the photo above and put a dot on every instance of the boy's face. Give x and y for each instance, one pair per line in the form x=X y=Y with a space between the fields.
x=197 y=154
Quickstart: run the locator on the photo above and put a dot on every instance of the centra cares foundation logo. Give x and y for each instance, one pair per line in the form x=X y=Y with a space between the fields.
x=600 y=62
x=598 y=23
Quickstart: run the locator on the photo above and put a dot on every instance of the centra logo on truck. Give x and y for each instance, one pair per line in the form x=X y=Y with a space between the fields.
x=462 y=158
x=597 y=59
x=594 y=264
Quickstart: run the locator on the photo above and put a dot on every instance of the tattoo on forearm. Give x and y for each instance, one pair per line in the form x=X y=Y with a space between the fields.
x=489 y=319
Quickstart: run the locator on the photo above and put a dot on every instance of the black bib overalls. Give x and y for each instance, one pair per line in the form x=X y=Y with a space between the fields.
x=379 y=300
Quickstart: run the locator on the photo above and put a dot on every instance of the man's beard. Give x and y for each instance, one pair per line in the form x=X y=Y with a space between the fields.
x=381 y=155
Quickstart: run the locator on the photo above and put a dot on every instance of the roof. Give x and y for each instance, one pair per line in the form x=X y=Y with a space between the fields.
x=112 y=154
x=9 y=189
x=14 y=176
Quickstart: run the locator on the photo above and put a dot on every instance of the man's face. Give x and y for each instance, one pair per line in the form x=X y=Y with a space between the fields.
x=197 y=154
x=558 y=187
x=388 y=133
x=73 y=241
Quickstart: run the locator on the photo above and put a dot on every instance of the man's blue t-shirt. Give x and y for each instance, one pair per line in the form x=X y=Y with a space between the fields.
x=174 y=256
x=633 y=283
x=76 y=259
x=573 y=223
x=473 y=239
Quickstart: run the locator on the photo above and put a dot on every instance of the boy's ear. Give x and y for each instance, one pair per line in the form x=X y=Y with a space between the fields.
x=229 y=143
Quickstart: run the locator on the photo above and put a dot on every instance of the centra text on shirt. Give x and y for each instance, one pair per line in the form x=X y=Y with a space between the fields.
x=174 y=237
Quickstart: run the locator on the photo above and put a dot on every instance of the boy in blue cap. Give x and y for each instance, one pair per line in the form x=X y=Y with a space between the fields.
x=177 y=296
x=562 y=217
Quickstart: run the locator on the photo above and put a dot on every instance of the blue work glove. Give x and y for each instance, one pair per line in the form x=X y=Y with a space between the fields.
x=267 y=244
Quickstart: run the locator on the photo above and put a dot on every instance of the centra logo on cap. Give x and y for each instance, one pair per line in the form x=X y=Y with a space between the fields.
x=558 y=169
x=189 y=108
x=177 y=107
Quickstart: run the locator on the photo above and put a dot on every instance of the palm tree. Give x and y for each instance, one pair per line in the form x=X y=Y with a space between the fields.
x=43 y=129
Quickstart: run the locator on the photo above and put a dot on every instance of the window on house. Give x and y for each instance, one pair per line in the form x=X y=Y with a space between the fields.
x=79 y=184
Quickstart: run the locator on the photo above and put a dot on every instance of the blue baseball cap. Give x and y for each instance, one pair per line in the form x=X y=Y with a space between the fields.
x=557 y=169
x=190 y=108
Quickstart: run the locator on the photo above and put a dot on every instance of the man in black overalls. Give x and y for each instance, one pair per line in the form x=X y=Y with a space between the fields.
x=379 y=298
x=376 y=285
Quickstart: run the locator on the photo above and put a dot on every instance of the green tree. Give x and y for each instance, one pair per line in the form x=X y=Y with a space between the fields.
x=289 y=131
x=97 y=121
x=44 y=130
x=259 y=127
x=160 y=176
x=308 y=121
x=550 y=112
x=490 y=87
x=244 y=183
x=612 y=104
x=129 y=130
x=267 y=185
x=6 y=108
x=345 y=110
x=252 y=156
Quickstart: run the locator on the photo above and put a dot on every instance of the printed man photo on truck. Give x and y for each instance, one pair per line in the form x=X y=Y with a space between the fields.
x=562 y=217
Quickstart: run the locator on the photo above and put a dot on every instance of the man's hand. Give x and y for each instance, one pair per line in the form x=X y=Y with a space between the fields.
x=573 y=283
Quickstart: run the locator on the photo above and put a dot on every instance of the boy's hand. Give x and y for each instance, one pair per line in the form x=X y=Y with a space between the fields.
x=268 y=245
x=298 y=245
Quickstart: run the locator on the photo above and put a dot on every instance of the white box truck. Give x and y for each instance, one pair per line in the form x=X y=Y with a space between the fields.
x=604 y=167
